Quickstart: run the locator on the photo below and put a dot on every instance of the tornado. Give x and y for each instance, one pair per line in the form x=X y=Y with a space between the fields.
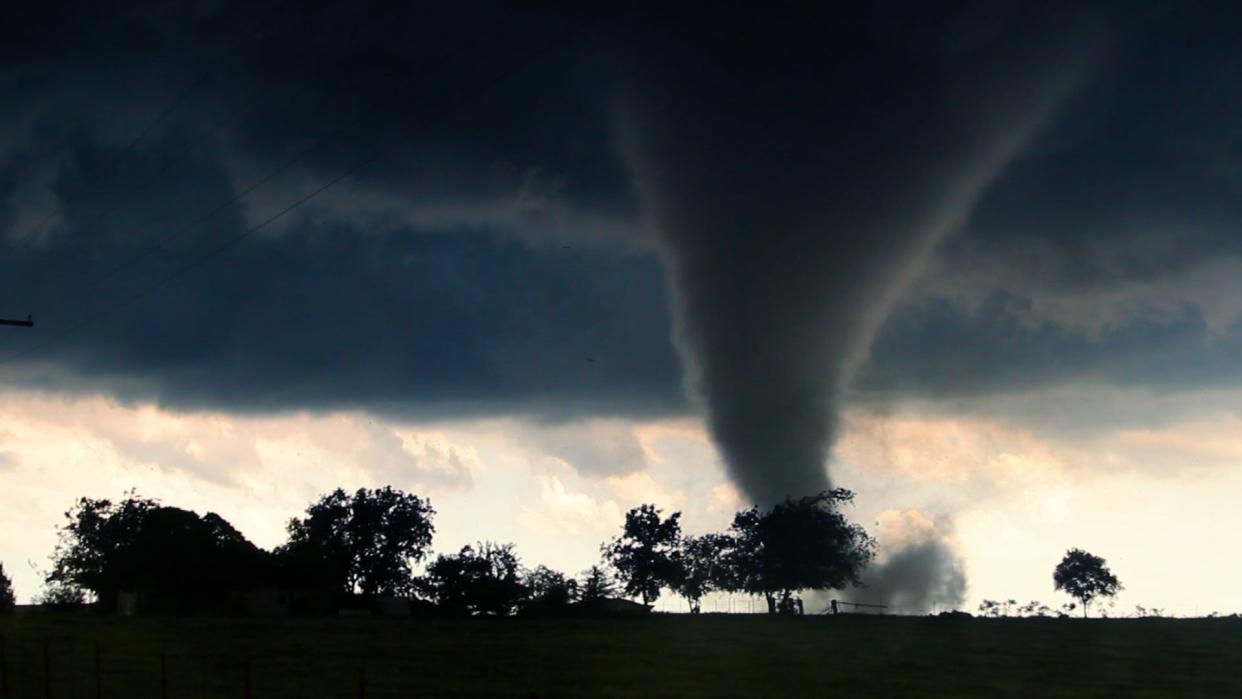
x=795 y=179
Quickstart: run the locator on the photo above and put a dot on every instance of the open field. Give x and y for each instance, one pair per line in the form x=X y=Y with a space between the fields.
x=726 y=655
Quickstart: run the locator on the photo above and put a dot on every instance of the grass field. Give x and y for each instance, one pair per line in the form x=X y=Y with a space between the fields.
x=672 y=656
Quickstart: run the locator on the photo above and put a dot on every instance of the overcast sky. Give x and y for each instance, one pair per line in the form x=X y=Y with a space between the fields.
x=980 y=265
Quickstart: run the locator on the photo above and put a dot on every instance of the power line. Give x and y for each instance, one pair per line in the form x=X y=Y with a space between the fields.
x=237 y=197
x=40 y=227
x=231 y=242
x=207 y=257
x=177 y=102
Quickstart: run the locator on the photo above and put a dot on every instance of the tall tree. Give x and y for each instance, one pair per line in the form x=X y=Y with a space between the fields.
x=644 y=553
x=139 y=544
x=596 y=585
x=1084 y=577
x=55 y=594
x=800 y=544
x=8 y=602
x=700 y=568
x=548 y=590
x=482 y=579
x=363 y=542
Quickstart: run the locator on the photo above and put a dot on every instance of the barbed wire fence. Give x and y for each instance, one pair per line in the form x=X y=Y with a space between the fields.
x=58 y=666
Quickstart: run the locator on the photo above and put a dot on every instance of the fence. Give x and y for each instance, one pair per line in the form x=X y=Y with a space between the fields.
x=64 y=667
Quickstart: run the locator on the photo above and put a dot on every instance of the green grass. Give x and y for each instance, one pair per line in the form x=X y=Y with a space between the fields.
x=673 y=656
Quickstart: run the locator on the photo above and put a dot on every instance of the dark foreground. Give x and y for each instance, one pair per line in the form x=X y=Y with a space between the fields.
x=674 y=656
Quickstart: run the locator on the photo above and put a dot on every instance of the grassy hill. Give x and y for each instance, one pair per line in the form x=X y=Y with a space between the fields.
x=673 y=656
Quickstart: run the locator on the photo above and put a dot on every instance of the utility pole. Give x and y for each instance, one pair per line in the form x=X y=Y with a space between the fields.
x=28 y=323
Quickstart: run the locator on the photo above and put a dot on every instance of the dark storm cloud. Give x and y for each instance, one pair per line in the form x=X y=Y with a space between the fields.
x=795 y=171
x=331 y=317
x=402 y=290
x=940 y=349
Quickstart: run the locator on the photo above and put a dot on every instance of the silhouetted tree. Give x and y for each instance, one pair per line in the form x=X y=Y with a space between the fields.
x=139 y=544
x=644 y=553
x=363 y=542
x=60 y=595
x=1084 y=577
x=549 y=591
x=700 y=567
x=8 y=602
x=801 y=544
x=1035 y=608
x=477 y=580
x=596 y=585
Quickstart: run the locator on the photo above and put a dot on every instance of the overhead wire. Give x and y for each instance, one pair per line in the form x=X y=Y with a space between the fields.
x=204 y=259
x=181 y=271
x=179 y=100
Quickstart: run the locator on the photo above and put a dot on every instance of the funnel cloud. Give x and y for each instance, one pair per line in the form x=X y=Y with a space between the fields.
x=795 y=193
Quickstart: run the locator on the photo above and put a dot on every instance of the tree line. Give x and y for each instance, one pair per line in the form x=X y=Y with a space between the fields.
x=370 y=542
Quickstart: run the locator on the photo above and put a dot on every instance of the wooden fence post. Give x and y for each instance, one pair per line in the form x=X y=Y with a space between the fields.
x=98 y=674
x=47 y=672
x=4 y=672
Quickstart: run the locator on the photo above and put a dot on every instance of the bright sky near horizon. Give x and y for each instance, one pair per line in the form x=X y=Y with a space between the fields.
x=1010 y=501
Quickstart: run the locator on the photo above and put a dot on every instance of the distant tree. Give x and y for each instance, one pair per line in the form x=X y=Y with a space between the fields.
x=363 y=542
x=482 y=579
x=802 y=544
x=990 y=608
x=596 y=585
x=700 y=568
x=1084 y=577
x=549 y=591
x=1034 y=608
x=8 y=602
x=644 y=553
x=60 y=595
x=139 y=544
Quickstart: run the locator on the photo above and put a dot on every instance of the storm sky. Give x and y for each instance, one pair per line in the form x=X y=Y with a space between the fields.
x=960 y=261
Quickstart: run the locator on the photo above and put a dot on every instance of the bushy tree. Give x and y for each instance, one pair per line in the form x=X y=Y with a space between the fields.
x=549 y=591
x=139 y=544
x=364 y=542
x=8 y=601
x=800 y=544
x=643 y=555
x=1035 y=608
x=700 y=567
x=60 y=595
x=482 y=579
x=1085 y=577
x=596 y=585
